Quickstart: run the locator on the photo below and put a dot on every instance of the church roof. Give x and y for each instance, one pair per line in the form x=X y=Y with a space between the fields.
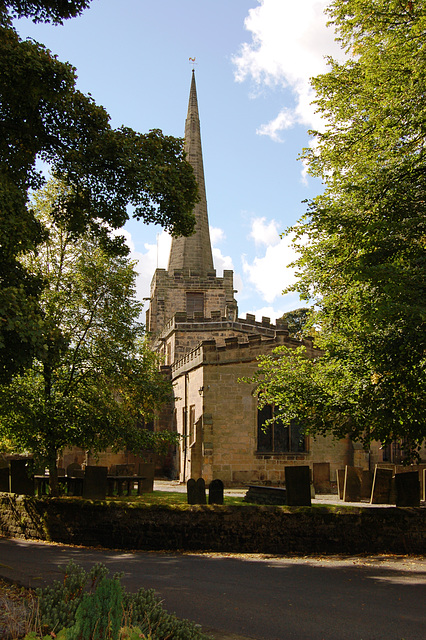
x=194 y=253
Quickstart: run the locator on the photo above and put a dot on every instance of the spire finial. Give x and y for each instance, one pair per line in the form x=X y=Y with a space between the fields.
x=193 y=64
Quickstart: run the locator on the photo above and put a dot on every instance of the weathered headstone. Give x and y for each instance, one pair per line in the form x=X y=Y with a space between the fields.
x=352 y=486
x=4 y=479
x=191 y=491
x=125 y=469
x=366 y=484
x=201 y=491
x=216 y=492
x=259 y=494
x=95 y=482
x=340 y=475
x=298 y=486
x=147 y=469
x=73 y=467
x=21 y=480
x=321 y=477
x=407 y=488
x=382 y=484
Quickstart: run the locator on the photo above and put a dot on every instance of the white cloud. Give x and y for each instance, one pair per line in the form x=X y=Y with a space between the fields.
x=216 y=235
x=264 y=233
x=284 y=120
x=155 y=255
x=289 y=42
x=221 y=262
x=270 y=274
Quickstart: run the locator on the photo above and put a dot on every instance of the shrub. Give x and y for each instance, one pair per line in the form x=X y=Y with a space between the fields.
x=90 y=606
x=99 y=614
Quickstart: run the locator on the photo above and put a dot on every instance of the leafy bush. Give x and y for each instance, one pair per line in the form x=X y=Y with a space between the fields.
x=90 y=606
x=99 y=614
x=58 y=603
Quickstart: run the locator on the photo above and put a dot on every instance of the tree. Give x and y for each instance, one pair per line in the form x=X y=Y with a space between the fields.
x=296 y=321
x=109 y=172
x=96 y=379
x=45 y=10
x=364 y=265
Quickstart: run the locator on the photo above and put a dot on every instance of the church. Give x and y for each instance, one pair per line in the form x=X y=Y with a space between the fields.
x=206 y=348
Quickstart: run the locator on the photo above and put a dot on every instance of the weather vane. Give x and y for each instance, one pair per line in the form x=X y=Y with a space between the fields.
x=193 y=63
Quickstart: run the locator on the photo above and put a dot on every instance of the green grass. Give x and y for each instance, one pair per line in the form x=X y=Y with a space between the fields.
x=169 y=498
x=176 y=498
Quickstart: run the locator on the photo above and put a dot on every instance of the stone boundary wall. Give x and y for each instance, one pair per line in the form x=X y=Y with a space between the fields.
x=249 y=529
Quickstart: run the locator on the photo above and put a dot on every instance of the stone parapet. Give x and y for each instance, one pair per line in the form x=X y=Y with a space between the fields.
x=235 y=349
x=183 y=322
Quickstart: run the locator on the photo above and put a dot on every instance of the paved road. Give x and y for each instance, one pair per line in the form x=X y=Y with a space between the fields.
x=376 y=598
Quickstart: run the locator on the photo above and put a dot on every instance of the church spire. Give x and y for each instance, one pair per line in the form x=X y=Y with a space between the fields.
x=194 y=253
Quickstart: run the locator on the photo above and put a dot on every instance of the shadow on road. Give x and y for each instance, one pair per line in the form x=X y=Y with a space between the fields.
x=268 y=598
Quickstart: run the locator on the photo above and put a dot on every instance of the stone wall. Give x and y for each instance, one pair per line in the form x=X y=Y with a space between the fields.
x=250 y=529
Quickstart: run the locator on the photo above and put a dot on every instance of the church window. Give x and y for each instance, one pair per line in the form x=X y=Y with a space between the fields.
x=273 y=436
x=394 y=452
x=194 y=303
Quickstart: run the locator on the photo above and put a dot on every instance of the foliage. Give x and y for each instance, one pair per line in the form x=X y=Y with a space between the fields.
x=364 y=265
x=59 y=602
x=95 y=378
x=46 y=10
x=77 y=600
x=110 y=174
x=297 y=320
x=98 y=616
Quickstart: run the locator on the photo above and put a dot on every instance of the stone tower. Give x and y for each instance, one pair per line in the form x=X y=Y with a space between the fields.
x=189 y=294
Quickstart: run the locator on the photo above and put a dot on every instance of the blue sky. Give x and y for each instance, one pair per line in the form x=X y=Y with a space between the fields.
x=253 y=62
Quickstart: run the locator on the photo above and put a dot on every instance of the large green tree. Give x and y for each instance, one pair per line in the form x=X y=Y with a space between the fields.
x=363 y=264
x=95 y=380
x=110 y=172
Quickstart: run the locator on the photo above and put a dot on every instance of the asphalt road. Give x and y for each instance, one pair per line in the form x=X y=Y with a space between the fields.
x=267 y=598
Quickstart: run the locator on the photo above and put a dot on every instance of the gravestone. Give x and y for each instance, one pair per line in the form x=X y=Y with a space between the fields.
x=201 y=491
x=352 y=486
x=265 y=495
x=191 y=491
x=21 y=480
x=321 y=477
x=216 y=492
x=147 y=469
x=72 y=467
x=382 y=484
x=4 y=479
x=407 y=488
x=95 y=483
x=298 y=486
x=125 y=469
x=366 y=484
x=340 y=475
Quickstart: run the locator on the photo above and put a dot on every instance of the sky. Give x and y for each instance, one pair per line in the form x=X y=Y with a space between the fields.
x=253 y=62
